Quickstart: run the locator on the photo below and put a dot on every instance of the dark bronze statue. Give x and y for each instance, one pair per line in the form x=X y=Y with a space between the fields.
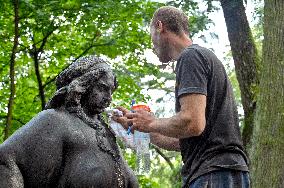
x=69 y=144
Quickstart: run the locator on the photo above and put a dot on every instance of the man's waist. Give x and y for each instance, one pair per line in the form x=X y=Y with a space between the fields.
x=219 y=161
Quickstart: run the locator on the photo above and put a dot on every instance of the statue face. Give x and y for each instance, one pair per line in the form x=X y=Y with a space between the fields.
x=99 y=95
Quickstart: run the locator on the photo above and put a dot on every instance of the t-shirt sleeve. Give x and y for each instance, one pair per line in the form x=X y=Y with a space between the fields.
x=192 y=73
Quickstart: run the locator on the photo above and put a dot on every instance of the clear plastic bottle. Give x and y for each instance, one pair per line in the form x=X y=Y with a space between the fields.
x=142 y=141
x=121 y=133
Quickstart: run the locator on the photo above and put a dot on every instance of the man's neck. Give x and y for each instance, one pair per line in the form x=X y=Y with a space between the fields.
x=179 y=44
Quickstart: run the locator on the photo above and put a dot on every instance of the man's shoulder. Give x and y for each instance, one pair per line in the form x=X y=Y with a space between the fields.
x=195 y=55
x=201 y=54
x=195 y=48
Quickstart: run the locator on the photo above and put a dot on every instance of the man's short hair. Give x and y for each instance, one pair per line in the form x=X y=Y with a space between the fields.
x=174 y=19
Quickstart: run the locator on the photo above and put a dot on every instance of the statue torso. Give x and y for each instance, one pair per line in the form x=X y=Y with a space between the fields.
x=67 y=154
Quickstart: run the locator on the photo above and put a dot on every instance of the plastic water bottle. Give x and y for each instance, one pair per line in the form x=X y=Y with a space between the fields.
x=142 y=141
x=121 y=133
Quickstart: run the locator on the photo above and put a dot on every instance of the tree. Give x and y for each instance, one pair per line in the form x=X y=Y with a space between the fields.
x=246 y=60
x=268 y=138
x=12 y=68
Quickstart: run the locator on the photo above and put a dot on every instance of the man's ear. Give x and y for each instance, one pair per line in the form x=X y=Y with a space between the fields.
x=160 y=26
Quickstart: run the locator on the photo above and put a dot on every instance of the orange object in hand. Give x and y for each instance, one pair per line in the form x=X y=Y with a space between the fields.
x=141 y=106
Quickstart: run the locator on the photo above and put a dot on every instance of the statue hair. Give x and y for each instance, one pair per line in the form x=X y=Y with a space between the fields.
x=76 y=80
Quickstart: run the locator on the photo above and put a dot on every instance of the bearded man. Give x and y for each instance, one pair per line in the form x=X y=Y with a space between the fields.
x=205 y=128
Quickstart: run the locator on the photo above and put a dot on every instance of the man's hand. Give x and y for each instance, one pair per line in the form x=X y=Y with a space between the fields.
x=122 y=119
x=141 y=120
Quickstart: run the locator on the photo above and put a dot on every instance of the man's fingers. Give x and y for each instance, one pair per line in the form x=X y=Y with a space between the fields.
x=115 y=118
x=131 y=115
x=124 y=110
x=129 y=123
x=121 y=120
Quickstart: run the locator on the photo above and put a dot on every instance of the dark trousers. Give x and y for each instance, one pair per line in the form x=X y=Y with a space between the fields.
x=222 y=179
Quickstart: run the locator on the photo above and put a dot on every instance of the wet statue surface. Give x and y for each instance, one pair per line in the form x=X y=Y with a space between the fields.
x=69 y=144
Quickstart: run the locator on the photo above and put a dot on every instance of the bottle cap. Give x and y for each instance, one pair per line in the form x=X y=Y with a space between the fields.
x=141 y=106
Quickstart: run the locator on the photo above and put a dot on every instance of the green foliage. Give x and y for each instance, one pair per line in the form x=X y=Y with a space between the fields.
x=147 y=182
x=144 y=181
x=235 y=86
x=161 y=175
x=169 y=177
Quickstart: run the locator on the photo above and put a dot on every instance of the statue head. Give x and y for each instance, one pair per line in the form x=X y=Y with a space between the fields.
x=87 y=84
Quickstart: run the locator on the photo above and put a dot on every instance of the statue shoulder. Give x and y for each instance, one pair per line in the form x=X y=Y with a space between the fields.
x=55 y=120
x=46 y=122
x=45 y=129
x=53 y=116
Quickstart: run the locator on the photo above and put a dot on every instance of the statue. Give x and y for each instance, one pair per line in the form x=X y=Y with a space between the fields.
x=69 y=144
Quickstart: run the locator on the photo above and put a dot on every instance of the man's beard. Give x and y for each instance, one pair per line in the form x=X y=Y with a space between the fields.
x=164 y=51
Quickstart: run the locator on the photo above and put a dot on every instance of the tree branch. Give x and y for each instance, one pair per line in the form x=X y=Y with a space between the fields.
x=164 y=156
x=44 y=39
x=12 y=70
x=92 y=46
x=82 y=54
x=40 y=87
x=36 y=53
x=16 y=119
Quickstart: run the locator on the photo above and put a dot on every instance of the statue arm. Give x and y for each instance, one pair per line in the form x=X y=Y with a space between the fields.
x=10 y=175
x=36 y=147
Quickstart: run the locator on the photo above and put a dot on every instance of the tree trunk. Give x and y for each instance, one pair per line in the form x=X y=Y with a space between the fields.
x=246 y=60
x=12 y=70
x=39 y=81
x=35 y=53
x=268 y=138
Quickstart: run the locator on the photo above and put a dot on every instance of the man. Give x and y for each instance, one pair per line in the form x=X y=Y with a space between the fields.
x=205 y=128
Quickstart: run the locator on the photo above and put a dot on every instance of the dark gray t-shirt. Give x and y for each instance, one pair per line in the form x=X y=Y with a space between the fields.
x=220 y=146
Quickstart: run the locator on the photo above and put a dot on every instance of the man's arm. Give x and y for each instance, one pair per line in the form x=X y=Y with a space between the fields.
x=189 y=122
x=167 y=143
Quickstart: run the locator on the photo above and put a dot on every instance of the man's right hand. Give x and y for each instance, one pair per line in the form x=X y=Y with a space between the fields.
x=122 y=119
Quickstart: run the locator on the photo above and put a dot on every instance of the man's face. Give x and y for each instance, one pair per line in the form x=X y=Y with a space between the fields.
x=100 y=94
x=161 y=45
